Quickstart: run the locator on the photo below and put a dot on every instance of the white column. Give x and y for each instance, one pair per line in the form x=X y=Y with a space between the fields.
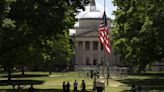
x=83 y=55
x=98 y=52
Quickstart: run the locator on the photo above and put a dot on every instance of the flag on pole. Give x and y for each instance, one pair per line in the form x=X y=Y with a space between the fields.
x=103 y=33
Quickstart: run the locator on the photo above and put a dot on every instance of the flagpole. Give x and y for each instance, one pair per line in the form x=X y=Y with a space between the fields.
x=104 y=4
x=107 y=68
x=106 y=56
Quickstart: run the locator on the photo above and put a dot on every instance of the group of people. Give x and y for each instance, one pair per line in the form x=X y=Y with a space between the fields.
x=66 y=87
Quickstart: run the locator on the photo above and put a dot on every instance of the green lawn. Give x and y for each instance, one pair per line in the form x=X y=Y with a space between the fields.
x=43 y=82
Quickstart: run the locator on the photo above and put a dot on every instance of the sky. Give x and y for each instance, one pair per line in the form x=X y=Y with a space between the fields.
x=109 y=7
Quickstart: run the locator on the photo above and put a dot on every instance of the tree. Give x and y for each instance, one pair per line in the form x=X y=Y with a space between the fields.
x=29 y=24
x=57 y=55
x=7 y=35
x=136 y=32
x=25 y=55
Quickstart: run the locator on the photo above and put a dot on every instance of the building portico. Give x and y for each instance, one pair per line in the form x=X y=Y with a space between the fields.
x=88 y=50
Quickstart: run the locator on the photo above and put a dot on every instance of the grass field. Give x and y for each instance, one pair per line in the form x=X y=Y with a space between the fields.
x=43 y=82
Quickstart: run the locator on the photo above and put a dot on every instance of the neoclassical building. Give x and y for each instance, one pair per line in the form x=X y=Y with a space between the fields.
x=88 y=50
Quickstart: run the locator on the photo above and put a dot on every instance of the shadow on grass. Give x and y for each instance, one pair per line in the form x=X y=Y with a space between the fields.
x=25 y=76
x=20 y=82
x=155 y=82
x=126 y=91
x=149 y=74
x=38 y=90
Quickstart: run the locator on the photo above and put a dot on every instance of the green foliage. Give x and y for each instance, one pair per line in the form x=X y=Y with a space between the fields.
x=136 y=35
x=30 y=30
x=57 y=55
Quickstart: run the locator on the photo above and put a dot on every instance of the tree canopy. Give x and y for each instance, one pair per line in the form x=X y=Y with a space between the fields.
x=137 y=32
x=27 y=27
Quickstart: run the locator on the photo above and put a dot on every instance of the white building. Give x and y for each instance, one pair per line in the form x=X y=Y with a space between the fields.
x=88 y=49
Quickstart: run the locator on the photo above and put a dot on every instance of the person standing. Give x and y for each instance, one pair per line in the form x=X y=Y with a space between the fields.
x=133 y=88
x=68 y=87
x=75 y=86
x=64 y=86
x=83 y=85
x=139 y=88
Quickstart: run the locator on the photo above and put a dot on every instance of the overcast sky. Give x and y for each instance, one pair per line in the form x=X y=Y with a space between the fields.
x=109 y=7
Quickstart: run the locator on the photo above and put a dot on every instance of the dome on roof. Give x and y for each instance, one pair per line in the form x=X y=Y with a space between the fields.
x=92 y=12
x=89 y=14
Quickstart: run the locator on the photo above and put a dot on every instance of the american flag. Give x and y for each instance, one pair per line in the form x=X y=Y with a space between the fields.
x=103 y=33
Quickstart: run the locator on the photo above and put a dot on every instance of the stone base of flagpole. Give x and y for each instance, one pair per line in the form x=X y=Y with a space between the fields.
x=107 y=72
x=94 y=82
x=107 y=78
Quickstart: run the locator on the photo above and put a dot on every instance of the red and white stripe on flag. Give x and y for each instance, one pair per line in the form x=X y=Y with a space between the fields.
x=103 y=36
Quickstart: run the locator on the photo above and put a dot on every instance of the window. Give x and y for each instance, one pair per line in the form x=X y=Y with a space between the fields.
x=95 y=45
x=80 y=43
x=87 y=45
x=102 y=46
x=87 y=61
x=94 y=61
x=102 y=61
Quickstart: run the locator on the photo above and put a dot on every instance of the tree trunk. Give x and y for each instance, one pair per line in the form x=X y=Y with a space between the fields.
x=22 y=70
x=9 y=73
x=50 y=72
x=50 y=68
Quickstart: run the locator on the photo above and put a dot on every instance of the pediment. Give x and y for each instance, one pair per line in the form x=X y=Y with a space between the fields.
x=89 y=33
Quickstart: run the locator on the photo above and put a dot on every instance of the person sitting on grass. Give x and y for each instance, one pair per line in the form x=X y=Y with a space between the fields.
x=31 y=89
x=19 y=89
x=13 y=86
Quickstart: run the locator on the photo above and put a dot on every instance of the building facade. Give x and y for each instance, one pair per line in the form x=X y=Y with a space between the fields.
x=88 y=50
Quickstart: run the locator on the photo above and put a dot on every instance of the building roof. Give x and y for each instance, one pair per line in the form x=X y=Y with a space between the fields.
x=90 y=14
